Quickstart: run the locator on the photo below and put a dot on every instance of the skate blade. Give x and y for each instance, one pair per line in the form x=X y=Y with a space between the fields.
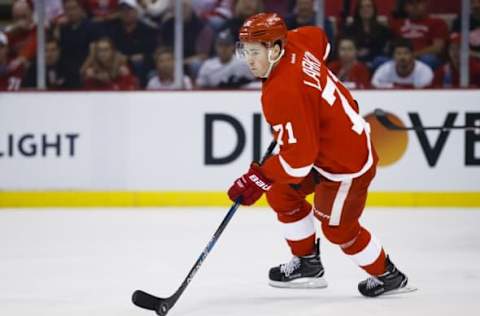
x=403 y=290
x=302 y=283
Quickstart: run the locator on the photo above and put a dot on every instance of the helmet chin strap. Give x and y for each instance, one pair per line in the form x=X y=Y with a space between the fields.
x=272 y=61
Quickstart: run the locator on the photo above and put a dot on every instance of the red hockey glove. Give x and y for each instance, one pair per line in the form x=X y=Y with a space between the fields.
x=250 y=186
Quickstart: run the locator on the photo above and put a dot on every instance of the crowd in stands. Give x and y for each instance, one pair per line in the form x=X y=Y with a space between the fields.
x=128 y=44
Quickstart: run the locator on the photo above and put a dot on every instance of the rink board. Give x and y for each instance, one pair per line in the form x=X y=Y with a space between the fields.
x=184 y=148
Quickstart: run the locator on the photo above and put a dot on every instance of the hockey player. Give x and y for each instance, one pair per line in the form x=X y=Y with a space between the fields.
x=325 y=148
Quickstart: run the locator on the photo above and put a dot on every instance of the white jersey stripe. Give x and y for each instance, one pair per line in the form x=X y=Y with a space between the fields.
x=327 y=51
x=339 y=201
x=300 y=229
x=346 y=176
x=294 y=172
x=369 y=254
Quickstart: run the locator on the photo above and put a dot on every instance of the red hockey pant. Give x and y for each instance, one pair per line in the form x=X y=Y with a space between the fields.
x=338 y=206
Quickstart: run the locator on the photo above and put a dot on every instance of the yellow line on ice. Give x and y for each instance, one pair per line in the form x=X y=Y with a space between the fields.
x=158 y=199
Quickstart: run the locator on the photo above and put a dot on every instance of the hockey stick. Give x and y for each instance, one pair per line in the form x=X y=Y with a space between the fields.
x=162 y=305
x=382 y=117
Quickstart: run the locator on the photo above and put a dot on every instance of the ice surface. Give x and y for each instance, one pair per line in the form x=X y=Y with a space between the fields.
x=89 y=261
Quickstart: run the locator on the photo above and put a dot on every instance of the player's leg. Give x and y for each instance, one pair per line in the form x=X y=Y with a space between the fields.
x=339 y=205
x=295 y=214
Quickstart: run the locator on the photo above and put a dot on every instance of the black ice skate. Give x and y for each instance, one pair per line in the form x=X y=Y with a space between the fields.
x=391 y=282
x=301 y=272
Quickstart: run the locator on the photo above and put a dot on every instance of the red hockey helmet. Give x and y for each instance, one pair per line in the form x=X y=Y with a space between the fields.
x=264 y=28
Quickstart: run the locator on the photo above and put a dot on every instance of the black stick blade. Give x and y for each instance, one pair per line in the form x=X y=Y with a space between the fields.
x=145 y=300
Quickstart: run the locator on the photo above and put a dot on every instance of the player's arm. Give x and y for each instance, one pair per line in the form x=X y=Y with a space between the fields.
x=294 y=130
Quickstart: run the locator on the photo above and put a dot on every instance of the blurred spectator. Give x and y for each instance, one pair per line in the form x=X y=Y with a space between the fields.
x=474 y=37
x=75 y=35
x=164 y=75
x=56 y=71
x=224 y=71
x=133 y=38
x=351 y=72
x=215 y=12
x=403 y=71
x=53 y=8
x=153 y=11
x=305 y=15
x=107 y=69
x=427 y=34
x=242 y=10
x=101 y=10
x=10 y=77
x=53 y=11
x=281 y=7
x=197 y=38
x=370 y=36
x=154 y=8
x=399 y=11
x=22 y=34
x=448 y=75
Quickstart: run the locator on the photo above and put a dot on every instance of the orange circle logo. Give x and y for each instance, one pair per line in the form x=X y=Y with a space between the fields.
x=390 y=145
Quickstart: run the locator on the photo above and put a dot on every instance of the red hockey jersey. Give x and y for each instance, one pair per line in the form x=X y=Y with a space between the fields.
x=314 y=117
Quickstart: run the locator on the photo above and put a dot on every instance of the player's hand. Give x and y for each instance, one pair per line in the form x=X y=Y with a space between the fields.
x=250 y=186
